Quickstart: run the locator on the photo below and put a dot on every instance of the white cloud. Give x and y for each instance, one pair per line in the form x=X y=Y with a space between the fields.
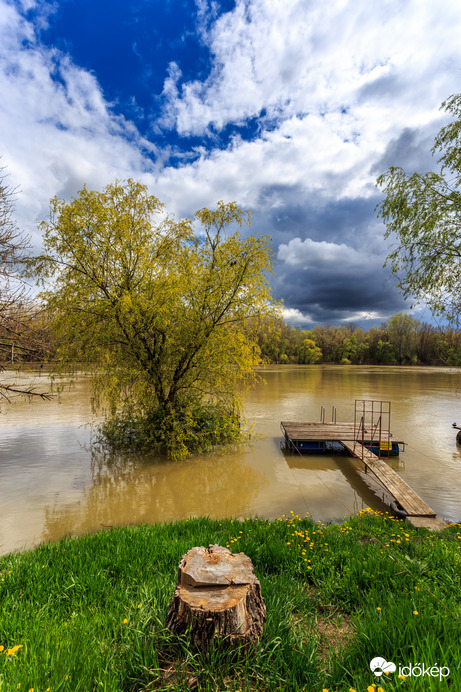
x=295 y=316
x=311 y=254
x=337 y=82
x=291 y=57
x=56 y=130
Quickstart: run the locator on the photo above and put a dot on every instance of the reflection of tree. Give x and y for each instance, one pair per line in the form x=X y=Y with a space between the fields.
x=130 y=489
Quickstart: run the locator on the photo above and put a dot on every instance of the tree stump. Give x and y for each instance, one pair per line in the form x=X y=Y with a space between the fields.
x=218 y=598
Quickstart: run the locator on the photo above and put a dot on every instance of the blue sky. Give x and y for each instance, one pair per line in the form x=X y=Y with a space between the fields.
x=290 y=107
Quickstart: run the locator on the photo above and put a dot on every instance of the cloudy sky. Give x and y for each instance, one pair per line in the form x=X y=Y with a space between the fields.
x=290 y=107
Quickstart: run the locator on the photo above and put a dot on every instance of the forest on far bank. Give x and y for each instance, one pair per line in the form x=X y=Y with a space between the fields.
x=400 y=340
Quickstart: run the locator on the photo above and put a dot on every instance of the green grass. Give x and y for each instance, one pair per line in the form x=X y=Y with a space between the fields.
x=89 y=613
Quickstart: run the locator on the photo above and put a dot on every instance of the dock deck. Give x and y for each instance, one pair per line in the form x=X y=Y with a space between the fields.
x=297 y=433
x=332 y=432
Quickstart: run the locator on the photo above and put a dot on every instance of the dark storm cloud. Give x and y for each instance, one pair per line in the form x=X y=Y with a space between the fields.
x=411 y=150
x=330 y=257
x=339 y=293
x=315 y=215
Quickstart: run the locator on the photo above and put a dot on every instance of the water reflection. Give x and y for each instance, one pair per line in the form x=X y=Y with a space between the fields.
x=54 y=482
x=145 y=489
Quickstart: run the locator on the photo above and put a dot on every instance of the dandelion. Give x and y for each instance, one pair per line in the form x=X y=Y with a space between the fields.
x=140 y=605
x=378 y=608
x=402 y=677
x=13 y=650
x=415 y=612
x=2 y=648
x=125 y=621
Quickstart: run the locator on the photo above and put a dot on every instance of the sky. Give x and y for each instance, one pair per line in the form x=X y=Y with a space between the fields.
x=292 y=108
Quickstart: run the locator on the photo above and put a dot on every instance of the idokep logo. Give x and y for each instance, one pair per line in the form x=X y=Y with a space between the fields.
x=420 y=669
x=379 y=665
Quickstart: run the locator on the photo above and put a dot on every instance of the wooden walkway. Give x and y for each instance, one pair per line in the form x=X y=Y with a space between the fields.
x=406 y=497
x=343 y=433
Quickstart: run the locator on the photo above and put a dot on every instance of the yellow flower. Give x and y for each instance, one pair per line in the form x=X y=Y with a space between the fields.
x=13 y=650
x=2 y=648
x=125 y=621
x=351 y=690
x=415 y=612
x=402 y=677
x=378 y=608
x=139 y=606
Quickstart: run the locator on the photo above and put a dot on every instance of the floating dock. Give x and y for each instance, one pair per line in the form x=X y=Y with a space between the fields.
x=369 y=443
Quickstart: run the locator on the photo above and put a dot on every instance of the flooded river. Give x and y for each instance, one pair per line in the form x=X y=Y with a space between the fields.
x=53 y=482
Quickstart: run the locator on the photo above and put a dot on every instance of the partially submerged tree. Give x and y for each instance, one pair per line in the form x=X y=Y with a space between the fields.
x=160 y=314
x=424 y=212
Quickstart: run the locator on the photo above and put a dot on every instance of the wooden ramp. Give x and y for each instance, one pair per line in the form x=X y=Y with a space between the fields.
x=347 y=435
x=396 y=486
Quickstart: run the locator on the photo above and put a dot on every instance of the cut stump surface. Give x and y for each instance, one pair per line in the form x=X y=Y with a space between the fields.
x=218 y=597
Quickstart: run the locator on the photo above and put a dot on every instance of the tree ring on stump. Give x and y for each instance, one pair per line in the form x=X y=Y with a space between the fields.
x=217 y=598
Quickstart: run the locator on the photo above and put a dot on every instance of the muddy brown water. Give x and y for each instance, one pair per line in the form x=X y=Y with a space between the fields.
x=54 y=483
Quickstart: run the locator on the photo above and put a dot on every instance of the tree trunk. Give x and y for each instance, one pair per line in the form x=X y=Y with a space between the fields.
x=218 y=597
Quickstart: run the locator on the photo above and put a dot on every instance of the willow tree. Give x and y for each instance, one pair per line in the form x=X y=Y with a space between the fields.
x=158 y=309
x=423 y=213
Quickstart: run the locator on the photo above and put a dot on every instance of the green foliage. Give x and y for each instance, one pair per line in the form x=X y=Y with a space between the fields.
x=400 y=340
x=308 y=352
x=385 y=353
x=160 y=313
x=402 y=332
x=424 y=212
x=281 y=343
x=196 y=427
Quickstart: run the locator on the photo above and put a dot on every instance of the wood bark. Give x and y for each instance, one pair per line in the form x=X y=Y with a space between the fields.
x=217 y=598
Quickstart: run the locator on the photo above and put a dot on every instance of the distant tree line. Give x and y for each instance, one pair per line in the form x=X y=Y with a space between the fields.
x=27 y=336
x=401 y=340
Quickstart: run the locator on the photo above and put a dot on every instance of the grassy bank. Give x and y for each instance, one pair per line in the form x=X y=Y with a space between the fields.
x=87 y=614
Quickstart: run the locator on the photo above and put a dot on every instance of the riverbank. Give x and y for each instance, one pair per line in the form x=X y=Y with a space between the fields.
x=88 y=613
